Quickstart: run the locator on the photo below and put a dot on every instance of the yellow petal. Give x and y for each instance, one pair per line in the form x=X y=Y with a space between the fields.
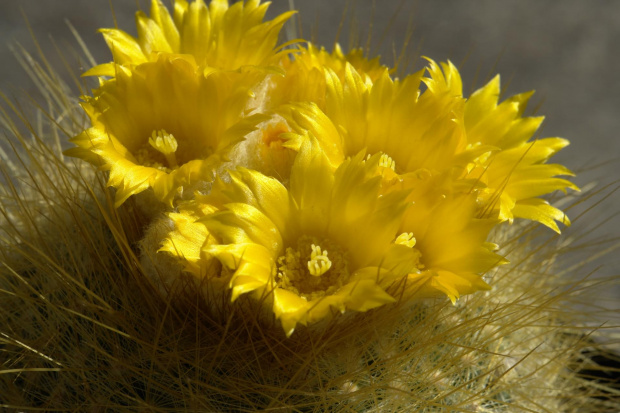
x=364 y=295
x=307 y=120
x=539 y=210
x=106 y=69
x=252 y=263
x=262 y=192
x=151 y=37
x=311 y=196
x=289 y=308
x=124 y=48
x=161 y=16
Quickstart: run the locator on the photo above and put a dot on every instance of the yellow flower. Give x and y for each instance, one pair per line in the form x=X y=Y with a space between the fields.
x=304 y=79
x=420 y=137
x=218 y=36
x=436 y=142
x=515 y=173
x=326 y=244
x=164 y=125
x=453 y=247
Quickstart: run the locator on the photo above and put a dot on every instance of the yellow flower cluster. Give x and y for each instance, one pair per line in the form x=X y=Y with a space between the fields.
x=317 y=182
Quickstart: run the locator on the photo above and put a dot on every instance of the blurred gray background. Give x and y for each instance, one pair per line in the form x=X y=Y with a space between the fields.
x=568 y=51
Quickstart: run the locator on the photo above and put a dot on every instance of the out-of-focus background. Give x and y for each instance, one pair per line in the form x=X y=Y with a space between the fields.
x=568 y=51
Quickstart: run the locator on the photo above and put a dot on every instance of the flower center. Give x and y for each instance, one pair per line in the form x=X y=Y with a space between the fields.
x=159 y=152
x=386 y=162
x=309 y=272
x=319 y=264
x=164 y=143
x=271 y=135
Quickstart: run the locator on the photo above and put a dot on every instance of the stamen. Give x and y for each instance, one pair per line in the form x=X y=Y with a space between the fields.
x=166 y=144
x=387 y=162
x=319 y=264
x=308 y=272
x=406 y=239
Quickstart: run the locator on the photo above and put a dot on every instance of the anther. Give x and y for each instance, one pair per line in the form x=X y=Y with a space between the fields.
x=387 y=162
x=166 y=144
x=406 y=239
x=319 y=264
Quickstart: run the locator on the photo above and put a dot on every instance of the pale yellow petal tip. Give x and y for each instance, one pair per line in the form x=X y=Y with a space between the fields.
x=539 y=210
x=563 y=219
x=572 y=185
x=105 y=69
x=237 y=291
x=560 y=143
x=288 y=327
x=502 y=261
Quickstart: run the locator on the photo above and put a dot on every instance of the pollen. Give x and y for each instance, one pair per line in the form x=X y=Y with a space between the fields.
x=166 y=144
x=306 y=270
x=319 y=263
x=406 y=239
